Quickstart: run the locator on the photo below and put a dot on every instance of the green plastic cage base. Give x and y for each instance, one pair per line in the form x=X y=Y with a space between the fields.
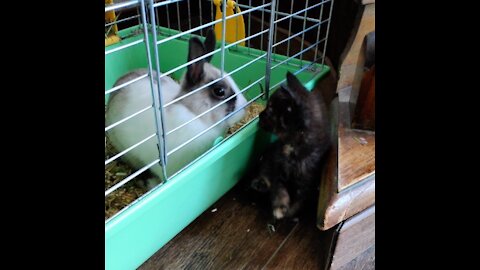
x=137 y=232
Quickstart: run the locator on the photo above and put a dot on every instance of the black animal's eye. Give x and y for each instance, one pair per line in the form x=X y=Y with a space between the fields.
x=219 y=92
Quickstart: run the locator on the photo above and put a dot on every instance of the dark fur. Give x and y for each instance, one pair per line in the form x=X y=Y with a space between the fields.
x=289 y=169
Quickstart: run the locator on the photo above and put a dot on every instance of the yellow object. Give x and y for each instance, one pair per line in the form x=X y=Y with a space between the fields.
x=111 y=39
x=112 y=36
x=235 y=27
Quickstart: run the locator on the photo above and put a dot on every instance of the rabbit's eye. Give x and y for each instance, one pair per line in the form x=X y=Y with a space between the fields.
x=219 y=92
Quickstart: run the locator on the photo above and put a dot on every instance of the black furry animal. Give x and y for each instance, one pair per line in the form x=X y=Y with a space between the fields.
x=289 y=169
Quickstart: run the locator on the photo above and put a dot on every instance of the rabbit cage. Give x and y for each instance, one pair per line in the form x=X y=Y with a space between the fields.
x=257 y=42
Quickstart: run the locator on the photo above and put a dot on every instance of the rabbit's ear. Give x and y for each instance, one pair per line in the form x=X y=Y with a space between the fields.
x=209 y=43
x=195 y=70
x=294 y=83
x=294 y=88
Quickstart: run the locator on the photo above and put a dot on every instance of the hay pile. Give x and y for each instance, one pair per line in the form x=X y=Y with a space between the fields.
x=252 y=111
x=117 y=170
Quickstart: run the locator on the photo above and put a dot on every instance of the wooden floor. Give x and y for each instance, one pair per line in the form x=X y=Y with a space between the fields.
x=233 y=234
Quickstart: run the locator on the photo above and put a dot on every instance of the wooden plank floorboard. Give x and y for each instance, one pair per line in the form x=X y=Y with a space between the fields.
x=235 y=236
x=305 y=248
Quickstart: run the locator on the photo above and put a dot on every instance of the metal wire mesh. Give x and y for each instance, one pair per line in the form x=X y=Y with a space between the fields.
x=295 y=29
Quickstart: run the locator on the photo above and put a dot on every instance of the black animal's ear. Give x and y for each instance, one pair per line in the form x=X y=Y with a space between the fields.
x=294 y=84
x=294 y=88
x=289 y=92
x=195 y=70
x=209 y=43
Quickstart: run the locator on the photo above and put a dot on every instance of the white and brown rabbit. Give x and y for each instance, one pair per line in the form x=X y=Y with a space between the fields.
x=136 y=96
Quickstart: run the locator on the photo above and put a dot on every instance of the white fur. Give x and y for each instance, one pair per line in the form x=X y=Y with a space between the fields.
x=137 y=96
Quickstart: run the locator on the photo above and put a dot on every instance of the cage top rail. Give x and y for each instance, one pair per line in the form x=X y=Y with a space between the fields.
x=132 y=3
x=121 y=5
x=166 y=2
